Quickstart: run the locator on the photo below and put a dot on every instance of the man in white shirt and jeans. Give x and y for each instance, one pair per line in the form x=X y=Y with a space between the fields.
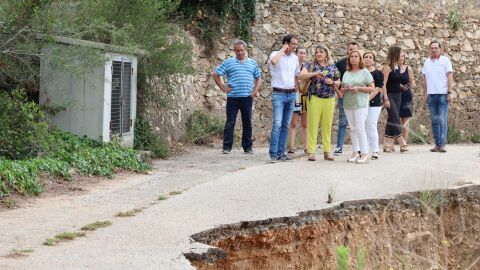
x=437 y=88
x=284 y=69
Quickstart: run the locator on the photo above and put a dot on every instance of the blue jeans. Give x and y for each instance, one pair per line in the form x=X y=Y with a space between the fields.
x=342 y=124
x=244 y=104
x=282 y=105
x=438 y=106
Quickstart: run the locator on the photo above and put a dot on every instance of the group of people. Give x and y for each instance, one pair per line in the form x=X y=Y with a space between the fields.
x=308 y=91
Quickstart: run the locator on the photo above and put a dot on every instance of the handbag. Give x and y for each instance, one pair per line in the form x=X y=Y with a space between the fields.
x=304 y=84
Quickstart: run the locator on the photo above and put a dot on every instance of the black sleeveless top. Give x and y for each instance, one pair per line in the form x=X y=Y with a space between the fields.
x=394 y=80
x=378 y=80
x=405 y=78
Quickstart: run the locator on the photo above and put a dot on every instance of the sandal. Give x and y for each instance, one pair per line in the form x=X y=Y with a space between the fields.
x=328 y=157
x=311 y=157
x=388 y=149
x=291 y=151
x=403 y=148
x=375 y=156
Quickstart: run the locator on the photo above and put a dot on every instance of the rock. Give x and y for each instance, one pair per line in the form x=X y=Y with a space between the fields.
x=221 y=55
x=268 y=28
x=409 y=43
x=390 y=40
x=364 y=37
x=467 y=46
x=339 y=14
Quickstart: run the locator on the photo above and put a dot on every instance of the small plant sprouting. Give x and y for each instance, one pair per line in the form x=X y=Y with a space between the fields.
x=173 y=193
x=431 y=199
x=50 y=242
x=331 y=194
x=343 y=254
x=96 y=225
x=162 y=198
x=455 y=18
x=130 y=213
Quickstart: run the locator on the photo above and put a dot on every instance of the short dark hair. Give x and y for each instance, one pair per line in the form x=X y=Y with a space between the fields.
x=435 y=41
x=288 y=38
x=353 y=43
x=300 y=48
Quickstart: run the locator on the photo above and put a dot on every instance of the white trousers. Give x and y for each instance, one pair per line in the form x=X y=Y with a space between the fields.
x=356 y=120
x=372 y=128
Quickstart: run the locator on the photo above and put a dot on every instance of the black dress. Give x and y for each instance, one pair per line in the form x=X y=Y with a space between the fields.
x=406 y=105
x=393 y=128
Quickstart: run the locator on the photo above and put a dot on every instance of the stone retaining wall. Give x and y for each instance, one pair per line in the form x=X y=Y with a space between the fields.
x=376 y=25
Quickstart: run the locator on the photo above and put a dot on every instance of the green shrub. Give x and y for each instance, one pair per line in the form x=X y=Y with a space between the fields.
x=22 y=130
x=65 y=153
x=476 y=138
x=454 y=135
x=146 y=139
x=201 y=128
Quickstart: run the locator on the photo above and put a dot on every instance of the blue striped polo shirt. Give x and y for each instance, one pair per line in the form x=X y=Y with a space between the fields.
x=241 y=77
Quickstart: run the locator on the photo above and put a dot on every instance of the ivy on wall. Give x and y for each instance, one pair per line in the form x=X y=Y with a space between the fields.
x=208 y=17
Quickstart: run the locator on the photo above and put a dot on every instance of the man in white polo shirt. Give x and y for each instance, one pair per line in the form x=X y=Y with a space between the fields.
x=437 y=88
x=284 y=68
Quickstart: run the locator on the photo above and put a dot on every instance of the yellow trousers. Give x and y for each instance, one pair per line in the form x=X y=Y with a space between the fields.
x=319 y=112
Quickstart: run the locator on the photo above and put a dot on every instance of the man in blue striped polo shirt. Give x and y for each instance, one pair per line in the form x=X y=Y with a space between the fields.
x=244 y=81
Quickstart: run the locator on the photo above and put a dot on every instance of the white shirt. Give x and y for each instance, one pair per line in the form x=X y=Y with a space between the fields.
x=435 y=71
x=284 y=72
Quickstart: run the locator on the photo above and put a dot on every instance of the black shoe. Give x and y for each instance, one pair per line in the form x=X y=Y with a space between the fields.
x=226 y=151
x=248 y=151
x=285 y=158
x=338 y=151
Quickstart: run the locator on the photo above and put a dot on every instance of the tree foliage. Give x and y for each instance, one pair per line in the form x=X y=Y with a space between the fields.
x=141 y=24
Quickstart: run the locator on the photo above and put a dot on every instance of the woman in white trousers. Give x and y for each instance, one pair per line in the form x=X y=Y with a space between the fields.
x=375 y=105
x=357 y=83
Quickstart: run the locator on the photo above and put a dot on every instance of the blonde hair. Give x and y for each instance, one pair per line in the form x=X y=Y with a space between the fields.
x=325 y=49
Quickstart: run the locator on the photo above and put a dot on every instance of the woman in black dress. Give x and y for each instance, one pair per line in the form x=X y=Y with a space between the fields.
x=407 y=85
x=392 y=98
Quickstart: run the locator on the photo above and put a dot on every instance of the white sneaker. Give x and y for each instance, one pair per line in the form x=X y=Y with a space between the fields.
x=353 y=158
x=363 y=160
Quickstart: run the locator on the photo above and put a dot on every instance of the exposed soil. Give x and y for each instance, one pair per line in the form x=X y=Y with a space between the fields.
x=403 y=233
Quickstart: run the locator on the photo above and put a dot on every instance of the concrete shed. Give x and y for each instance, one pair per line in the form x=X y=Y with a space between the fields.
x=98 y=101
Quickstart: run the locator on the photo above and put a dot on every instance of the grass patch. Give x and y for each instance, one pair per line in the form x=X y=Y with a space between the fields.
x=69 y=235
x=173 y=193
x=476 y=138
x=22 y=251
x=65 y=236
x=130 y=213
x=162 y=198
x=96 y=225
x=202 y=128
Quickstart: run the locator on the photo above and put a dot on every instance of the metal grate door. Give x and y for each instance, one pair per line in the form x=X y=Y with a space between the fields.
x=121 y=96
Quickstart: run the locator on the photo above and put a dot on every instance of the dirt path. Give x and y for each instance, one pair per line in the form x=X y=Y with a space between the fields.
x=215 y=189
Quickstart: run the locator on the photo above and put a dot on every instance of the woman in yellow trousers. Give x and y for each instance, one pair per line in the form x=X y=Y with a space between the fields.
x=324 y=80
